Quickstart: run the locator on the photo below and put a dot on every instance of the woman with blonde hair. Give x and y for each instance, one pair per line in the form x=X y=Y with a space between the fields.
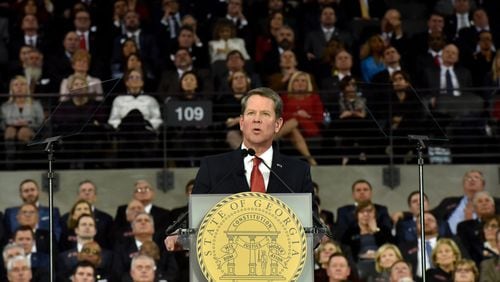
x=20 y=116
x=302 y=113
x=80 y=62
x=385 y=256
x=445 y=256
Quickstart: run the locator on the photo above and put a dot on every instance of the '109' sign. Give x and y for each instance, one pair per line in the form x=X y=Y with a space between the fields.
x=189 y=113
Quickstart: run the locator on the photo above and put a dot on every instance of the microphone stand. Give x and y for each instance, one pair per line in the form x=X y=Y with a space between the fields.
x=420 y=161
x=49 y=149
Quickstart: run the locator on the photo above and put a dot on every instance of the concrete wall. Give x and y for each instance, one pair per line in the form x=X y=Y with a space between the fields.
x=115 y=186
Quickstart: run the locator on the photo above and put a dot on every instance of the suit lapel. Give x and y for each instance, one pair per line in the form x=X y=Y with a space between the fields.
x=277 y=166
x=238 y=173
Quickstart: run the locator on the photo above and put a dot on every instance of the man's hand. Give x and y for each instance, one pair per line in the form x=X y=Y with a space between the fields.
x=172 y=243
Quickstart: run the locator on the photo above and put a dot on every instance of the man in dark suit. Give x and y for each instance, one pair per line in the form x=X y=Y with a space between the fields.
x=87 y=190
x=361 y=192
x=59 y=64
x=461 y=18
x=25 y=237
x=457 y=209
x=28 y=35
x=144 y=192
x=470 y=231
x=435 y=24
x=490 y=267
x=259 y=122
x=29 y=192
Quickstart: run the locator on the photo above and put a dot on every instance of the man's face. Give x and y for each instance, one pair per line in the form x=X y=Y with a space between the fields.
x=431 y=226
x=234 y=7
x=143 y=192
x=462 y=6
x=83 y=274
x=400 y=270
x=436 y=41
x=182 y=59
x=71 y=42
x=285 y=38
x=259 y=123
x=143 y=270
x=133 y=209
x=450 y=55
x=25 y=239
x=20 y=272
x=186 y=39
x=35 y=59
x=24 y=53
x=473 y=182
x=87 y=192
x=288 y=60
x=338 y=268
x=343 y=61
x=131 y=21
x=484 y=205
x=481 y=19
x=362 y=192
x=485 y=41
x=29 y=193
x=82 y=21
x=30 y=23
x=143 y=225
x=275 y=5
x=415 y=204
x=328 y=17
x=90 y=252
x=391 y=56
x=27 y=215
x=86 y=228
x=435 y=23
x=235 y=63
x=120 y=8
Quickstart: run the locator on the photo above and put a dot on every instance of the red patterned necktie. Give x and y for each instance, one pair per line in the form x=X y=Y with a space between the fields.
x=256 y=178
x=83 y=42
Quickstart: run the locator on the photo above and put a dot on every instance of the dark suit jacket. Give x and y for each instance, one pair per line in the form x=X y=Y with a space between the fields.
x=160 y=215
x=406 y=229
x=352 y=9
x=67 y=260
x=315 y=41
x=43 y=222
x=225 y=174
x=470 y=234
x=346 y=218
x=352 y=238
x=104 y=225
x=449 y=204
x=450 y=26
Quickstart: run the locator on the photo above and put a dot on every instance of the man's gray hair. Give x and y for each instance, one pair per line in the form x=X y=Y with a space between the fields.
x=264 y=92
x=138 y=257
x=10 y=263
x=12 y=246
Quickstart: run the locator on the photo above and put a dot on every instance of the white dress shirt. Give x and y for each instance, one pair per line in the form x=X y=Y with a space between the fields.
x=454 y=80
x=146 y=104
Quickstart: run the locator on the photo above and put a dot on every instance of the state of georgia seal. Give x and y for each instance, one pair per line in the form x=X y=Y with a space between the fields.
x=251 y=237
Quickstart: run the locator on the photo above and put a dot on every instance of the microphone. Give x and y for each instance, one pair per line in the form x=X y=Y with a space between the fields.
x=316 y=221
x=178 y=223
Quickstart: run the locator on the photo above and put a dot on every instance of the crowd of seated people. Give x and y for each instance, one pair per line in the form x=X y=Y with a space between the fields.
x=461 y=236
x=451 y=60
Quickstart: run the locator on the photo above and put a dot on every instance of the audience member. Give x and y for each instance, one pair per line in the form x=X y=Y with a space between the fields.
x=187 y=40
x=143 y=269
x=371 y=56
x=392 y=31
x=459 y=19
x=19 y=269
x=285 y=41
x=234 y=62
x=445 y=256
x=29 y=34
x=59 y=64
x=288 y=66
x=470 y=231
x=322 y=256
x=489 y=267
x=69 y=238
x=39 y=261
x=224 y=41
x=302 y=114
x=21 y=116
x=83 y=272
x=435 y=25
x=101 y=260
x=385 y=257
x=401 y=271
x=9 y=251
x=338 y=268
x=481 y=58
x=457 y=209
x=362 y=191
x=365 y=236
x=29 y=192
x=465 y=271
x=144 y=192
x=265 y=40
x=124 y=231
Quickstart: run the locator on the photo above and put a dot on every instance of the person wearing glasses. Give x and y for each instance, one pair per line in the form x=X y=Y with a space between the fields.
x=466 y=271
x=144 y=192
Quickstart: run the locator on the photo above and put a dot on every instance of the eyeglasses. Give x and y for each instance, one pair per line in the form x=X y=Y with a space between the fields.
x=491 y=226
x=142 y=190
x=91 y=251
x=463 y=269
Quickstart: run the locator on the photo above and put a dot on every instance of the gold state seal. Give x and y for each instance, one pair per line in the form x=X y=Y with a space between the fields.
x=251 y=237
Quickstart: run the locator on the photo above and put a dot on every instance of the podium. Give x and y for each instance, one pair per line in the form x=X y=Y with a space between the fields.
x=251 y=237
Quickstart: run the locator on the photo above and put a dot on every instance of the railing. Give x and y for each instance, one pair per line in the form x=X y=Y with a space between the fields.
x=458 y=136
